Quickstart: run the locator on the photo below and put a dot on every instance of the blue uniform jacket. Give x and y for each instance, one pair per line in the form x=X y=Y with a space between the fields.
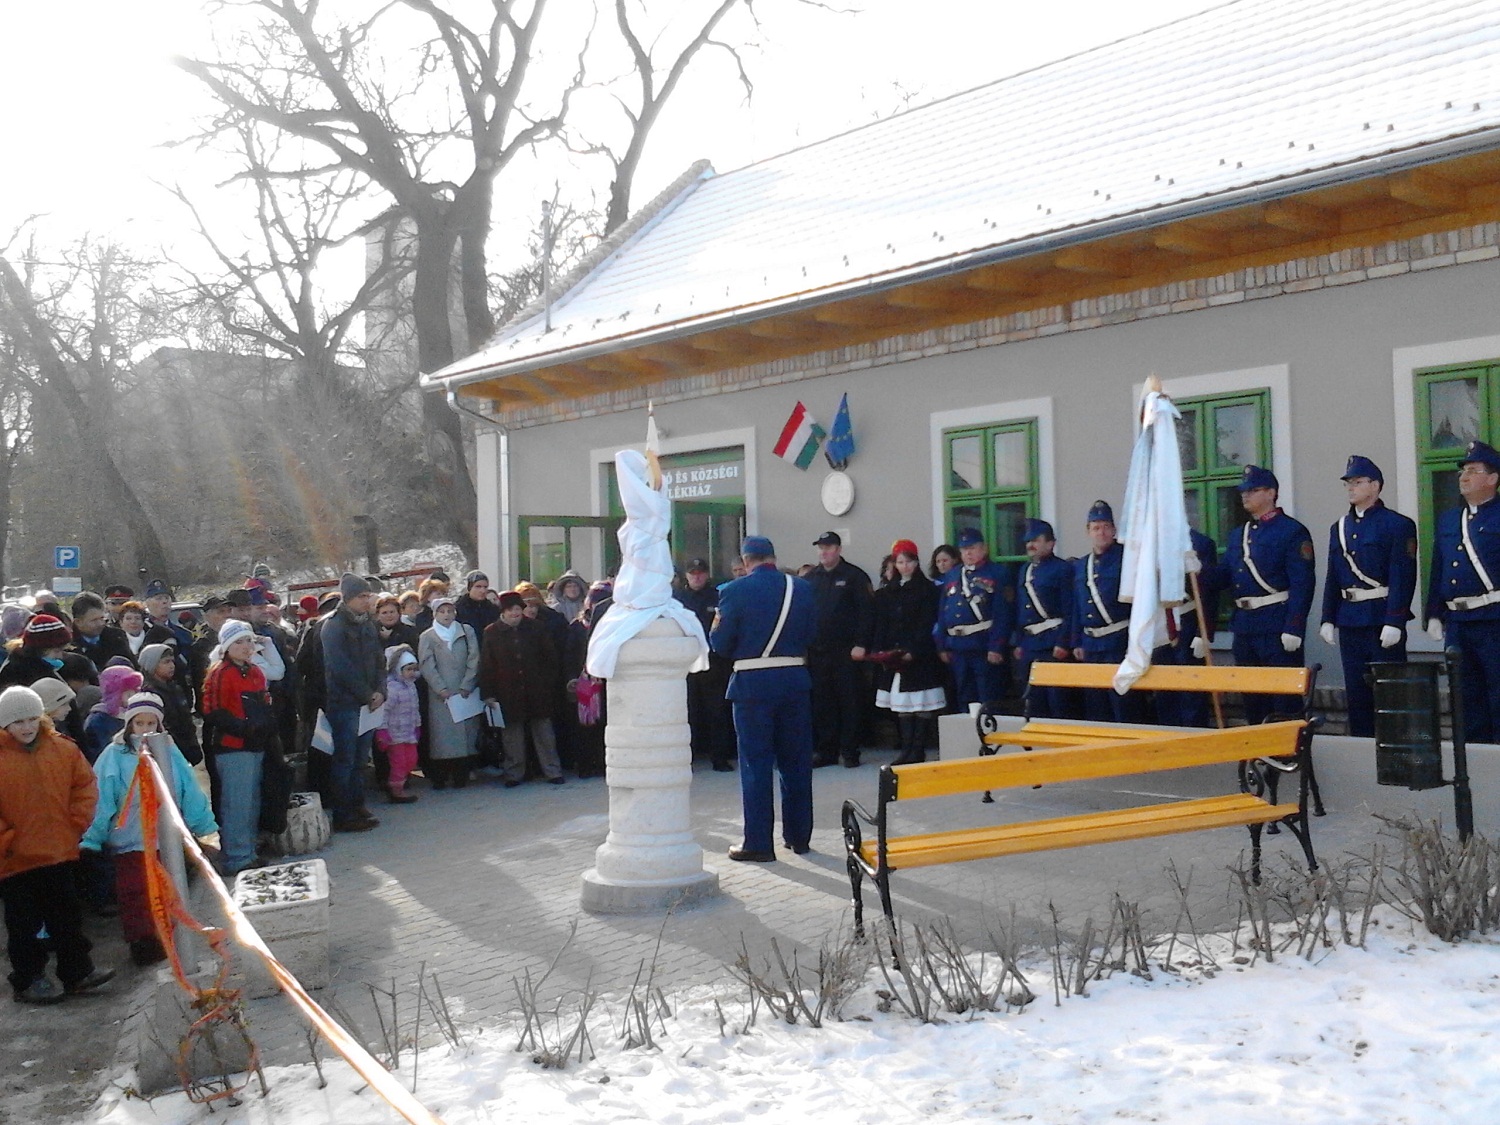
x=1211 y=583
x=1087 y=615
x=1052 y=578
x=1384 y=546
x=991 y=596
x=1282 y=551
x=748 y=609
x=1453 y=574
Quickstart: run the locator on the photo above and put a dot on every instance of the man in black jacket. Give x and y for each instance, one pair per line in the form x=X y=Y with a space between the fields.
x=353 y=681
x=94 y=636
x=845 y=607
x=710 y=715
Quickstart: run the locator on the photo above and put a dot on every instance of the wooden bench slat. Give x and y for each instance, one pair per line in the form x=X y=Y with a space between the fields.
x=1140 y=822
x=1175 y=677
x=1045 y=767
x=1060 y=734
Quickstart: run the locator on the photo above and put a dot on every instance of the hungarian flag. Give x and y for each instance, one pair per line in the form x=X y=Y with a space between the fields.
x=800 y=438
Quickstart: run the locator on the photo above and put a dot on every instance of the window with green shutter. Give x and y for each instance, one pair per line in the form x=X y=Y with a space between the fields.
x=1219 y=435
x=990 y=482
x=1455 y=405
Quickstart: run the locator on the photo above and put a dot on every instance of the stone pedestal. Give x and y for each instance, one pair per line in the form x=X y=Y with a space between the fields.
x=650 y=860
x=296 y=929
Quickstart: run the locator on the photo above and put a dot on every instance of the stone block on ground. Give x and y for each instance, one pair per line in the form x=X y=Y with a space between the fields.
x=288 y=906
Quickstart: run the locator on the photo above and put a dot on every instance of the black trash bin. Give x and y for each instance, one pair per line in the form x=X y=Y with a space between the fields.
x=1408 y=725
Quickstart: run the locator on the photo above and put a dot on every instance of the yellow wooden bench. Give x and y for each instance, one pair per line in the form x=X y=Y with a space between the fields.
x=1295 y=684
x=1068 y=752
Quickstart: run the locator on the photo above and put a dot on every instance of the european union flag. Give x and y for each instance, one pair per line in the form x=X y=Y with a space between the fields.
x=840 y=444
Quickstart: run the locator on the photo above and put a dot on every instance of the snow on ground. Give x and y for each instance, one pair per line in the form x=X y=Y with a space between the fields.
x=1406 y=1030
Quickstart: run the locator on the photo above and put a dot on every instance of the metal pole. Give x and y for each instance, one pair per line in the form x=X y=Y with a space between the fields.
x=1463 y=797
x=169 y=841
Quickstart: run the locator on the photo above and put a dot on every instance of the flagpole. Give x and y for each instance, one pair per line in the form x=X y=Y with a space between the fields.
x=1153 y=383
x=1208 y=652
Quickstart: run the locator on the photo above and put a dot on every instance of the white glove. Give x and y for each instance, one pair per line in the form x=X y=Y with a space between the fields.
x=1199 y=645
x=1291 y=642
x=1435 y=629
x=1325 y=631
x=1389 y=635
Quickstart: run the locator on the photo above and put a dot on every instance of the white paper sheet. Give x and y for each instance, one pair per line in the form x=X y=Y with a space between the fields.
x=461 y=707
x=371 y=720
x=322 y=738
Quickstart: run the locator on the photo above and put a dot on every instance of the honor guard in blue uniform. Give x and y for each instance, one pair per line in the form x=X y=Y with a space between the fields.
x=1269 y=560
x=1193 y=625
x=1371 y=576
x=1044 y=618
x=975 y=620
x=766 y=621
x=1101 y=622
x=1463 y=588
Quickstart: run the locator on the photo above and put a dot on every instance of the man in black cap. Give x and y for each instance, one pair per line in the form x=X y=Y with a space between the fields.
x=709 y=714
x=215 y=613
x=1463 y=588
x=1101 y=622
x=1371 y=576
x=845 y=604
x=114 y=597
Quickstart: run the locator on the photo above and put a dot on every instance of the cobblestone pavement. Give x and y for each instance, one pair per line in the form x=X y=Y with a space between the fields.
x=481 y=886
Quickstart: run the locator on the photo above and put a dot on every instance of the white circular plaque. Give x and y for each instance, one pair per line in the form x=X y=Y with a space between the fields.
x=838 y=493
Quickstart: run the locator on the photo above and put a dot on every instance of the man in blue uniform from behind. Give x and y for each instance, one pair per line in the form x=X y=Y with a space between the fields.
x=1462 y=590
x=766 y=621
x=975 y=620
x=1044 y=619
x=1101 y=622
x=1371 y=576
x=1269 y=560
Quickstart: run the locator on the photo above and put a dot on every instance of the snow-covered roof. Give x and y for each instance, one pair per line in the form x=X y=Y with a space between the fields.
x=1255 y=93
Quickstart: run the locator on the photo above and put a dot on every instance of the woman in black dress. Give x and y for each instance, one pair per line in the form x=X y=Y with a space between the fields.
x=910 y=683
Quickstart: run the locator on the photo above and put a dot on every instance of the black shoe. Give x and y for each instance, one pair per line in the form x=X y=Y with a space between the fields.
x=512 y=784
x=723 y=767
x=821 y=760
x=742 y=854
x=440 y=783
x=97 y=979
x=558 y=780
x=850 y=761
x=909 y=758
x=802 y=849
x=146 y=951
x=354 y=824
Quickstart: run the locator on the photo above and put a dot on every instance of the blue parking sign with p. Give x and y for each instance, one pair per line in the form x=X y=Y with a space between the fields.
x=66 y=558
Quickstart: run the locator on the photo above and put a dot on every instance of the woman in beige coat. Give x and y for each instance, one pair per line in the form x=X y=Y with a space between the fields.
x=449 y=656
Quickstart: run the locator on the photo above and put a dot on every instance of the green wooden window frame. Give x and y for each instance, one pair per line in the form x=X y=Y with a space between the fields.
x=1461 y=416
x=982 y=489
x=560 y=557
x=1211 y=473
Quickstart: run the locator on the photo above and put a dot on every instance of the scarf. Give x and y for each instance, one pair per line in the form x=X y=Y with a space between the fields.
x=449 y=634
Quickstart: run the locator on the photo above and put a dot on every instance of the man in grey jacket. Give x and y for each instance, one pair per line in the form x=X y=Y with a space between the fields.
x=354 y=679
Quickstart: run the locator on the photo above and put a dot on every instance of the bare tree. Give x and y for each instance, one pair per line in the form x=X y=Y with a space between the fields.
x=76 y=339
x=329 y=87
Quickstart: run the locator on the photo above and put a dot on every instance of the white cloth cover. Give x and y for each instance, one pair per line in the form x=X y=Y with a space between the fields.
x=643 y=588
x=1158 y=543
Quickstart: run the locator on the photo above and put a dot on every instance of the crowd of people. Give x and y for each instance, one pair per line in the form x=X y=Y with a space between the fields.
x=448 y=678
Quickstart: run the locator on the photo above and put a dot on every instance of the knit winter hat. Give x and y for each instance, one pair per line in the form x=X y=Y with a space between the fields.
x=352 y=585
x=510 y=598
x=53 y=693
x=116 y=685
x=144 y=703
x=530 y=592
x=231 y=631
x=152 y=655
x=19 y=703
x=474 y=576
x=397 y=657
x=45 y=631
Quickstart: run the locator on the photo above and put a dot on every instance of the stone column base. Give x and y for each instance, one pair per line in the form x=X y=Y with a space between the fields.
x=602 y=896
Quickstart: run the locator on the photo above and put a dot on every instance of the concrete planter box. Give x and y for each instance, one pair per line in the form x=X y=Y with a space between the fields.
x=307 y=826
x=288 y=906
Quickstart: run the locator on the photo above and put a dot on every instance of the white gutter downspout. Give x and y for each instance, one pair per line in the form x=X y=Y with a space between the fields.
x=504 y=536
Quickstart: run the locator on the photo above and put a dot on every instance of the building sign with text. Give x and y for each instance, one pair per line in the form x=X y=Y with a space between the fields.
x=712 y=480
